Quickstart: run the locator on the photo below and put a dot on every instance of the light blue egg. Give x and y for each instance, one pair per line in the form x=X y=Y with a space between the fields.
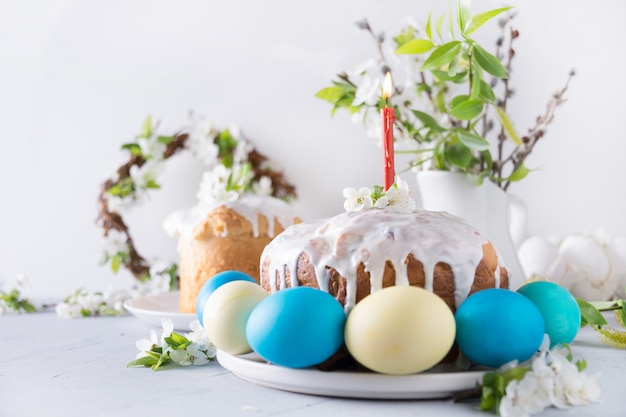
x=214 y=283
x=496 y=326
x=296 y=327
x=558 y=307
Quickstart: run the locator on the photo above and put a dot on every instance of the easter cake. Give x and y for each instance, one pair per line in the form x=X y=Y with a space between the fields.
x=243 y=202
x=222 y=236
x=367 y=248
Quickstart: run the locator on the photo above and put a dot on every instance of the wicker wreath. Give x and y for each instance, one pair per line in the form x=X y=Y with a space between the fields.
x=109 y=218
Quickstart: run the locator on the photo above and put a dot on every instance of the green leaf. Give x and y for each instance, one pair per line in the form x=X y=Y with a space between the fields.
x=122 y=189
x=439 y=26
x=440 y=100
x=453 y=67
x=116 y=262
x=519 y=174
x=163 y=360
x=486 y=92
x=476 y=79
x=415 y=46
x=330 y=94
x=488 y=159
x=589 y=314
x=481 y=18
x=622 y=312
x=429 y=29
x=464 y=14
x=488 y=62
x=345 y=103
x=143 y=361
x=428 y=121
x=152 y=184
x=489 y=379
x=467 y=109
x=487 y=400
x=133 y=148
x=440 y=155
x=459 y=77
x=472 y=140
x=442 y=55
x=166 y=140
x=507 y=125
x=176 y=340
x=458 y=100
x=146 y=128
x=459 y=155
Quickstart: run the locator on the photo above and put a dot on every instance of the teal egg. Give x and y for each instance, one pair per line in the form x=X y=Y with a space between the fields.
x=496 y=326
x=214 y=283
x=296 y=327
x=558 y=307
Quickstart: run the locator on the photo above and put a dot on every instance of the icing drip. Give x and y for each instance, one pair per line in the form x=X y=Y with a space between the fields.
x=373 y=237
x=249 y=206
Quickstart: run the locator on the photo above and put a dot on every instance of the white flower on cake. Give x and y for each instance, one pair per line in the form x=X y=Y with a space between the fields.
x=398 y=198
x=357 y=200
x=213 y=186
x=224 y=184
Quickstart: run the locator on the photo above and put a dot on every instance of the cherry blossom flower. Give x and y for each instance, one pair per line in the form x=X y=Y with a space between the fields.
x=263 y=186
x=357 y=200
x=201 y=140
x=553 y=380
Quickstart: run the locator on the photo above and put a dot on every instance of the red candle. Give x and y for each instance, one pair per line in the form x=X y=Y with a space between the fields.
x=387 y=117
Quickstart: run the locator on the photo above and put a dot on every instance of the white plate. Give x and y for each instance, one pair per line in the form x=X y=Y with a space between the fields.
x=154 y=308
x=347 y=384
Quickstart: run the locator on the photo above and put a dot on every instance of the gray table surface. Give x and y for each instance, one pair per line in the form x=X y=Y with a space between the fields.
x=50 y=366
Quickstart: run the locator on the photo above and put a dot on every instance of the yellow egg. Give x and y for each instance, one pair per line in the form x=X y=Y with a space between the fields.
x=400 y=330
x=226 y=313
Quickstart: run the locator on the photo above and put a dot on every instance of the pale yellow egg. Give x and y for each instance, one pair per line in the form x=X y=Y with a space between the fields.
x=400 y=330
x=226 y=313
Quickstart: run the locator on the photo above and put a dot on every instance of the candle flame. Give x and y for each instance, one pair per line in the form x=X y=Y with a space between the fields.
x=387 y=86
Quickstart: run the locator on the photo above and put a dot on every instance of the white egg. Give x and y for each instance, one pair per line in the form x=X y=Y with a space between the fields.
x=400 y=330
x=587 y=268
x=536 y=255
x=584 y=255
x=226 y=313
x=616 y=251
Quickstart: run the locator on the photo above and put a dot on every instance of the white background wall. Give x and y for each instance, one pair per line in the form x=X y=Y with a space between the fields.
x=77 y=78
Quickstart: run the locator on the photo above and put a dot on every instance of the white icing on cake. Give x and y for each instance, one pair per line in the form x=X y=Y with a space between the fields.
x=372 y=237
x=182 y=223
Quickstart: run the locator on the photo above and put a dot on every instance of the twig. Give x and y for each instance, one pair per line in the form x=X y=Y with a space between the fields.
x=539 y=130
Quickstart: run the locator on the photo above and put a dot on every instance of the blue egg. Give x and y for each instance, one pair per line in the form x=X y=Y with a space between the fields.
x=296 y=327
x=214 y=283
x=496 y=326
x=558 y=307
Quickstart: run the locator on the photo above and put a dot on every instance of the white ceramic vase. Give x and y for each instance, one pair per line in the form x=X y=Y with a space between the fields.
x=497 y=215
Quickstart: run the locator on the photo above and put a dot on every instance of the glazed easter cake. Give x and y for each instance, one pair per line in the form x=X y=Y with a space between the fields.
x=365 y=249
x=224 y=236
